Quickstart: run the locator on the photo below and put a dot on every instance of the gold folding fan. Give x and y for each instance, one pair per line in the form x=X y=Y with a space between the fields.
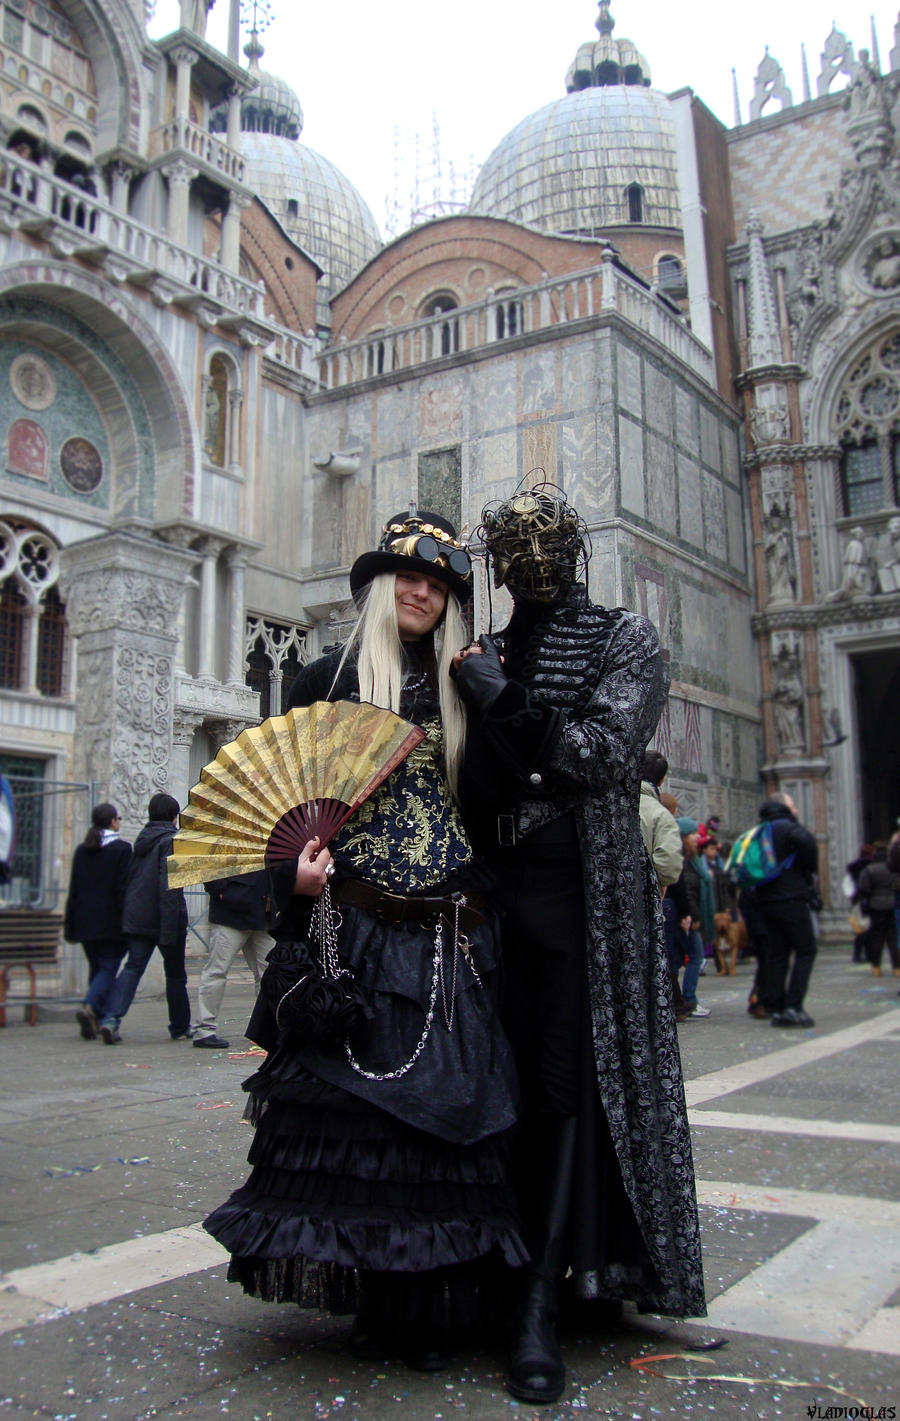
x=281 y=783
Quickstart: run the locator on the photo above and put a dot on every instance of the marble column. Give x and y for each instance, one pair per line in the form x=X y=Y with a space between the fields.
x=123 y=592
x=180 y=176
x=237 y=563
x=230 y=250
x=206 y=652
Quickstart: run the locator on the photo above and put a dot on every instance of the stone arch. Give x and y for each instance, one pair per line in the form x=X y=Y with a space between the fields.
x=115 y=45
x=156 y=482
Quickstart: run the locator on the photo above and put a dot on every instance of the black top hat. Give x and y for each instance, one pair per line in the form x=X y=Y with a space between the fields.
x=420 y=543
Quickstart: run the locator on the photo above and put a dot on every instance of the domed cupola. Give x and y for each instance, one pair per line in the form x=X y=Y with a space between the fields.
x=314 y=202
x=272 y=107
x=602 y=156
x=607 y=61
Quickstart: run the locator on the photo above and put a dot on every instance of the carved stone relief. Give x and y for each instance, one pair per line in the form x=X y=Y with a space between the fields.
x=887 y=558
x=857 y=576
x=788 y=696
x=770 y=424
x=880 y=264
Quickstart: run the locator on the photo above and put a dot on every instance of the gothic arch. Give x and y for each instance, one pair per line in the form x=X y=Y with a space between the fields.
x=118 y=325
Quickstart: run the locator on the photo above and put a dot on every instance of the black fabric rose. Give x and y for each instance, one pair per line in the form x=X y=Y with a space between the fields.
x=324 y=1010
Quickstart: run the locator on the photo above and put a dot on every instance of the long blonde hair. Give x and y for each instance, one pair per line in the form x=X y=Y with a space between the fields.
x=380 y=663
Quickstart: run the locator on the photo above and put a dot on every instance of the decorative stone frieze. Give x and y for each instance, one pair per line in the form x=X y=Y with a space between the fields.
x=123 y=595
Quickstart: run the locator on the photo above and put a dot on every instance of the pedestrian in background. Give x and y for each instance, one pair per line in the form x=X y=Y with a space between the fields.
x=154 y=915
x=237 y=916
x=93 y=914
x=877 y=890
x=783 y=908
x=688 y=949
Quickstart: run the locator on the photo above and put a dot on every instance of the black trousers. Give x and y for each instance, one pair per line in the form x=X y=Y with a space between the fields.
x=882 y=933
x=546 y=1013
x=788 y=933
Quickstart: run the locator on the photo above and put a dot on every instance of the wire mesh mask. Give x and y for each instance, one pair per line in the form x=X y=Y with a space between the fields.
x=536 y=543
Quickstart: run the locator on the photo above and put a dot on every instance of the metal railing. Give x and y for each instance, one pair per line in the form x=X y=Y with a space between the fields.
x=557 y=301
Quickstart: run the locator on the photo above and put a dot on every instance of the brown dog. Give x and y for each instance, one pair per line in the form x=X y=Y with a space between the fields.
x=731 y=937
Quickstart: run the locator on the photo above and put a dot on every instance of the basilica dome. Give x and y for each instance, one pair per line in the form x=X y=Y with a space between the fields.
x=314 y=202
x=602 y=156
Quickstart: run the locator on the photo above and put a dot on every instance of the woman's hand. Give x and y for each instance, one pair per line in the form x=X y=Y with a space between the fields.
x=312 y=870
x=473 y=649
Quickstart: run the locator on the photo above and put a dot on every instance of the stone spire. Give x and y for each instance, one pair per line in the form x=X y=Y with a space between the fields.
x=765 y=345
x=604 y=22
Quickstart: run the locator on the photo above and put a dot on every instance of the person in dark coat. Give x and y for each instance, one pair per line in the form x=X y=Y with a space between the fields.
x=93 y=913
x=853 y=870
x=877 y=890
x=380 y=1179
x=687 y=944
x=238 y=917
x=785 y=916
x=562 y=705
x=154 y=915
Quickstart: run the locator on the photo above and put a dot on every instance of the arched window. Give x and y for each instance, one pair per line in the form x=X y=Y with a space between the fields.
x=32 y=616
x=445 y=338
x=634 y=195
x=13 y=604
x=867 y=426
x=274 y=653
x=51 y=645
x=670 y=276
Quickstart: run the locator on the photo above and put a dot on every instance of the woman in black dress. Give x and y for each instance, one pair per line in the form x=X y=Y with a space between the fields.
x=380 y=1177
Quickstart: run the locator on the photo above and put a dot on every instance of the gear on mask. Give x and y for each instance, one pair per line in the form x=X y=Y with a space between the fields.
x=536 y=543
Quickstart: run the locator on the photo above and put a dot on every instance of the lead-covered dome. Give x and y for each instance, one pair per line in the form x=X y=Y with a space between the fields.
x=312 y=199
x=602 y=156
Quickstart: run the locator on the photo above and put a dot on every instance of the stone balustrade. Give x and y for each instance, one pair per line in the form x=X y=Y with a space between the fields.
x=554 y=302
x=181 y=136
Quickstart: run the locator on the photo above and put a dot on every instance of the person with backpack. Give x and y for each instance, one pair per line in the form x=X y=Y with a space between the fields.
x=877 y=889
x=775 y=865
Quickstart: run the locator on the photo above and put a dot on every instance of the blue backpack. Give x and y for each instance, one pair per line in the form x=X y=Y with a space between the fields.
x=753 y=860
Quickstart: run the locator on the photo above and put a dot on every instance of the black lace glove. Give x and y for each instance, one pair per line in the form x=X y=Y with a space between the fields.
x=321 y=1010
x=481 y=678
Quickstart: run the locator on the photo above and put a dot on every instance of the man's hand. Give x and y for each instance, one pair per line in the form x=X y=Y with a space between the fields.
x=312 y=870
x=478 y=672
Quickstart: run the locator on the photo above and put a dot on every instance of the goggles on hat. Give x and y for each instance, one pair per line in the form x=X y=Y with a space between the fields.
x=430 y=544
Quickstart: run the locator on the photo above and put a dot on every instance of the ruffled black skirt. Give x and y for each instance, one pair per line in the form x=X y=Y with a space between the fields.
x=340 y=1191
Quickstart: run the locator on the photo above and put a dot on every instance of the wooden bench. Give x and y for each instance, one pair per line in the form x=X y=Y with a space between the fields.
x=28 y=937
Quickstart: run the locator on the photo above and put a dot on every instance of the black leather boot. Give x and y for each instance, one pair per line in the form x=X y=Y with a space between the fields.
x=536 y=1370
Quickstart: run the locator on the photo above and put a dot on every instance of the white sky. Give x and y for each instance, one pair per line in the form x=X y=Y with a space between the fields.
x=362 y=69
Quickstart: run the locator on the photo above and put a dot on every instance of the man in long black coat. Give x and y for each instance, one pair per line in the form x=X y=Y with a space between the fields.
x=562 y=705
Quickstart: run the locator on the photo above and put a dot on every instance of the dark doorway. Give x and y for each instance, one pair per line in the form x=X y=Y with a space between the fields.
x=876 y=680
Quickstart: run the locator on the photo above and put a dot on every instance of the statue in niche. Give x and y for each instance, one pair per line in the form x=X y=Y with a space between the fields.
x=888 y=559
x=788 y=697
x=882 y=267
x=856 y=580
x=781 y=568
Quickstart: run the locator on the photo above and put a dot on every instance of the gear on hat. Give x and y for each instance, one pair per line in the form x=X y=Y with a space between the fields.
x=421 y=543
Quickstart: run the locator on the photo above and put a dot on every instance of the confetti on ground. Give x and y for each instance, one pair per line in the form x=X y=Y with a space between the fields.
x=642 y=1364
x=133 y=1066
x=222 y=1105
x=242 y=1055
x=58 y=1171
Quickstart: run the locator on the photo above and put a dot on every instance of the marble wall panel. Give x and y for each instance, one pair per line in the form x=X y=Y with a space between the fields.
x=492 y=396
x=687 y=421
x=396 y=418
x=590 y=488
x=737 y=540
x=631 y=466
x=628 y=367
x=539 y=381
x=702 y=629
x=395 y=485
x=662 y=493
x=690 y=511
x=710 y=444
x=440 y=410
x=660 y=399
x=731 y=455
x=726 y=746
x=602 y=568
x=578 y=382
x=280 y=490
x=493 y=465
x=715 y=534
x=539 y=449
x=220 y=499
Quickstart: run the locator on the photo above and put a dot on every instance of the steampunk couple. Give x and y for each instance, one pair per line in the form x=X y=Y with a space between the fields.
x=440 y=1143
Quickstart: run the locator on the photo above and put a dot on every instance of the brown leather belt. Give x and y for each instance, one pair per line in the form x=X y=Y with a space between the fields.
x=397 y=908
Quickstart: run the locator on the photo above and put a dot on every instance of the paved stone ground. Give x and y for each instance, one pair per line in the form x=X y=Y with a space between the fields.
x=113 y=1303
